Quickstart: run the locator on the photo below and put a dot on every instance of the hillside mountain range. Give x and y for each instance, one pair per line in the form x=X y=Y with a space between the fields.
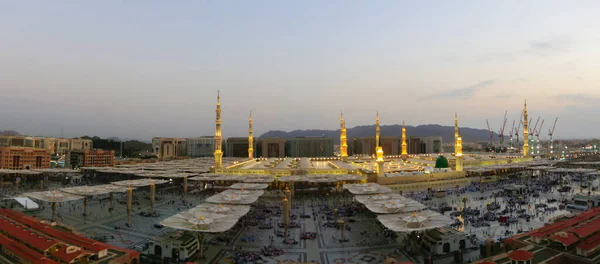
x=9 y=133
x=446 y=132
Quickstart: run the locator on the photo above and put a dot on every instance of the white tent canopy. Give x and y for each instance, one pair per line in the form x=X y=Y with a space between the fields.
x=415 y=221
x=27 y=203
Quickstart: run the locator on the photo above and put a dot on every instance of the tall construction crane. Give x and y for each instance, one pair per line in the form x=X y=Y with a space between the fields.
x=491 y=133
x=517 y=130
x=551 y=142
x=501 y=132
x=531 y=136
x=537 y=136
x=512 y=129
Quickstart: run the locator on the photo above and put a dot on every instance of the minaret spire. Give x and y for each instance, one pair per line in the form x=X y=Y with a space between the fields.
x=218 y=137
x=379 y=149
x=525 y=131
x=377 y=132
x=404 y=152
x=458 y=156
x=250 y=138
x=343 y=141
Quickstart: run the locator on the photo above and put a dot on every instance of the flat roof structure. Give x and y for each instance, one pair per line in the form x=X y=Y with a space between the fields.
x=259 y=179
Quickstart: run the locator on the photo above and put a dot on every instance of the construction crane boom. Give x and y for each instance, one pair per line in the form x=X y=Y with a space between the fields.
x=501 y=134
x=551 y=132
x=537 y=133
x=532 y=132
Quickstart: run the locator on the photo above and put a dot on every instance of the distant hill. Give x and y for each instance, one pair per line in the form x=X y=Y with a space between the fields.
x=446 y=132
x=9 y=133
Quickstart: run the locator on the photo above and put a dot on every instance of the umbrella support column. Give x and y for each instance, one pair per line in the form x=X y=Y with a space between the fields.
x=129 y=205
x=185 y=187
x=152 y=198
x=53 y=211
x=85 y=204
x=201 y=242
x=110 y=205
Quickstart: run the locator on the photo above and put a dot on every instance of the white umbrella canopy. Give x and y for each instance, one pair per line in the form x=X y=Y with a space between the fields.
x=415 y=221
x=249 y=186
x=241 y=197
x=349 y=177
x=85 y=190
x=53 y=196
x=138 y=183
x=389 y=203
x=366 y=188
x=229 y=209
x=198 y=220
x=259 y=179
x=295 y=178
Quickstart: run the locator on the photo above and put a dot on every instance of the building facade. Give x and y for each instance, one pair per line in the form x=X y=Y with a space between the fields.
x=366 y=145
x=80 y=144
x=309 y=147
x=169 y=147
x=176 y=245
x=21 y=158
x=200 y=146
x=237 y=147
x=271 y=148
x=433 y=144
x=98 y=158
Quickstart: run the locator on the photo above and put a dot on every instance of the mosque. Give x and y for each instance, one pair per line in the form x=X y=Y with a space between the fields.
x=416 y=170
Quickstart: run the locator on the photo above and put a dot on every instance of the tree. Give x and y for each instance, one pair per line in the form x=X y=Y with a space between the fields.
x=441 y=162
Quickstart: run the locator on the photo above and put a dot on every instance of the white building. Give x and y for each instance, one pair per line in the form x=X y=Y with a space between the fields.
x=179 y=245
x=169 y=147
x=200 y=146
x=445 y=240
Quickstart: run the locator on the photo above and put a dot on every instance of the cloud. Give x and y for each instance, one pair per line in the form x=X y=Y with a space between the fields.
x=465 y=92
x=551 y=46
x=578 y=98
x=556 y=44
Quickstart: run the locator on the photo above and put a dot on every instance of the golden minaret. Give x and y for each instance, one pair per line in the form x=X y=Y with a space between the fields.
x=250 y=139
x=377 y=132
x=525 y=132
x=343 y=142
x=457 y=145
x=404 y=152
x=378 y=148
x=218 y=138
x=455 y=129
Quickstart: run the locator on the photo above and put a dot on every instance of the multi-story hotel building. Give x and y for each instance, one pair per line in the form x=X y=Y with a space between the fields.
x=201 y=146
x=309 y=147
x=23 y=158
x=169 y=147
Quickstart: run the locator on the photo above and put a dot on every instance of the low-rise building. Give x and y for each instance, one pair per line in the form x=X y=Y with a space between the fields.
x=442 y=241
x=237 y=147
x=22 y=158
x=270 y=148
x=310 y=147
x=201 y=146
x=98 y=158
x=169 y=147
x=176 y=245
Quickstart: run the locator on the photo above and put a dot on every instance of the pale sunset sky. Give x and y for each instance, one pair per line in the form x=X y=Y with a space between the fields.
x=138 y=69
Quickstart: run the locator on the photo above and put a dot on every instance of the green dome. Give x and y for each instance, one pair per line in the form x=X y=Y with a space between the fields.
x=441 y=162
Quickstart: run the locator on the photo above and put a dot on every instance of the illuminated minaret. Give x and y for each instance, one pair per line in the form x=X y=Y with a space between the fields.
x=343 y=142
x=525 y=132
x=377 y=132
x=455 y=129
x=404 y=152
x=378 y=148
x=458 y=156
x=218 y=138
x=250 y=139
